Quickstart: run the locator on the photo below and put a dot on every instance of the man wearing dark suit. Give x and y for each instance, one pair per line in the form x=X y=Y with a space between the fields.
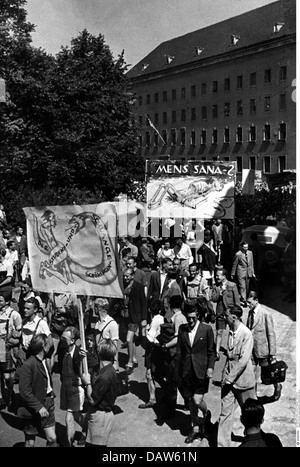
x=36 y=393
x=195 y=360
x=225 y=294
x=136 y=304
x=243 y=269
x=159 y=281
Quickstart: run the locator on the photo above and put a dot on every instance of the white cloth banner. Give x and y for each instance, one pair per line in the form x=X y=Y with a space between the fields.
x=74 y=249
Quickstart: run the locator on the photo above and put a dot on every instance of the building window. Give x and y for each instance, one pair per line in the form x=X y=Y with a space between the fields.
x=141 y=120
x=214 y=138
x=215 y=111
x=182 y=136
x=156 y=119
x=204 y=113
x=193 y=90
x=203 y=89
x=282 y=102
x=252 y=134
x=267 y=164
x=183 y=115
x=252 y=106
x=215 y=86
x=226 y=159
x=227 y=109
x=226 y=135
x=239 y=135
x=173 y=137
x=239 y=82
x=203 y=137
x=140 y=100
x=267 y=132
x=183 y=93
x=193 y=114
x=252 y=163
x=239 y=107
x=147 y=139
x=155 y=139
x=148 y=99
x=165 y=96
x=253 y=79
x=281 y=163
x=173 y=116
x=282 y=132
x=147 y=120
x=283 y=73
x=268 y=76
x=165 y=117
x=156 y=98
x=267 y=103
x=165 y=136
x=193 y=138
x=173 y=94
x=239 y=164
x=227 y=84
x=140 y=141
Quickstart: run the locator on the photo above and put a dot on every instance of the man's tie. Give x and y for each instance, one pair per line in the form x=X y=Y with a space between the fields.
x=250 y=320
x=246 y=258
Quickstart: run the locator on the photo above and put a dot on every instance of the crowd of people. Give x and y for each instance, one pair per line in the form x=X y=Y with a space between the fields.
x=178 y=301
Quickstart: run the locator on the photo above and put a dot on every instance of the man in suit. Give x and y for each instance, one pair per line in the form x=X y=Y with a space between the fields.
x=37 y=395
x=159 y=281
x=238 y=379
x=243 y=269
x=195 y=360
x=21 y=241
x=260 y=322
x=225 y=294
x=136 y=303
x=172 y=288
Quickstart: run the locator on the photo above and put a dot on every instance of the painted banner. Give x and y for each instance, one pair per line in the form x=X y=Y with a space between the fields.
x=74 y=249
x=193 y=189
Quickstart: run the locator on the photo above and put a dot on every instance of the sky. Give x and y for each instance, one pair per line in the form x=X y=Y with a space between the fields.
x=135 y=26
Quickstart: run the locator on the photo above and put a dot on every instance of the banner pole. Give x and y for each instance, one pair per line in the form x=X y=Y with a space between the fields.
x=82 y=335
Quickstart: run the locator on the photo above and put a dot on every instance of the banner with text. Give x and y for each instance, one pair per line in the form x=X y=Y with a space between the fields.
x=74 y=249
x=193 y=189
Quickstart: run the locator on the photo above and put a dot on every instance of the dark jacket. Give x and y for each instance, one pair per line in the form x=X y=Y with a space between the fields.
x=76 y=359
x=200 y=356
x=155 y=285
x=137 y=304
x=33 y=384
x=226 y=299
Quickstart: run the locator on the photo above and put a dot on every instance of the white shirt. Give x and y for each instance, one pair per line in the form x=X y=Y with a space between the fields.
x=192 y=333
x=111 y=330
x=154 y=328
x=163 y=276
x=29 y=329
x=185 y=253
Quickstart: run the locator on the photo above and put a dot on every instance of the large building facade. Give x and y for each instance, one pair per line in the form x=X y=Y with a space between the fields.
x=224 y=92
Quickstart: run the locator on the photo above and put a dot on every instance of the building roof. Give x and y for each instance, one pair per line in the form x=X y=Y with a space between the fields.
x=246 y=30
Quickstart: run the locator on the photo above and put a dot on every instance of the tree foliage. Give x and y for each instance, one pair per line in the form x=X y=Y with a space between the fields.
x=67 y=130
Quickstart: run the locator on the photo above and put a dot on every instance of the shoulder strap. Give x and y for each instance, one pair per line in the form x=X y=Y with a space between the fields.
x=34 y=332
x=7 y=321
x=101 y=332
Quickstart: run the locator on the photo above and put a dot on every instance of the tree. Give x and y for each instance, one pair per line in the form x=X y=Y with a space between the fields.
x=67 y=130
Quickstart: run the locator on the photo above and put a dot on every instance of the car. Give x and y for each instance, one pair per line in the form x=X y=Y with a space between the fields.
x=272 y=243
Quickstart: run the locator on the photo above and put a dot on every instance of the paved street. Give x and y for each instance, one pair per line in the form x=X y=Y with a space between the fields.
x=144 y=428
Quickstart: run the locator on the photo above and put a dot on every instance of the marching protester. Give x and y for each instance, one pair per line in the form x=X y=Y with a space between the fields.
x=37 y=396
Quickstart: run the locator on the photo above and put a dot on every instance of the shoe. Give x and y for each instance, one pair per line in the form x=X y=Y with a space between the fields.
x=128 y=369
x=192 y=436
x=2 y=404
x=82 y=440
x=147 y=405
x=277 y=393
x=135 y=364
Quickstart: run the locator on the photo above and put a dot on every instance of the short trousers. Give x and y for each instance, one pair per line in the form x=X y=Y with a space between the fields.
x=133 y=327
x=220 y=323
x=193 y=385
x=71 y=397
x=34 y=425
x=8 y=366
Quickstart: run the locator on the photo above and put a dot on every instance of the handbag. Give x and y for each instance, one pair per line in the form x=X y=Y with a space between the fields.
x=123 y=383
x=273 y=373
